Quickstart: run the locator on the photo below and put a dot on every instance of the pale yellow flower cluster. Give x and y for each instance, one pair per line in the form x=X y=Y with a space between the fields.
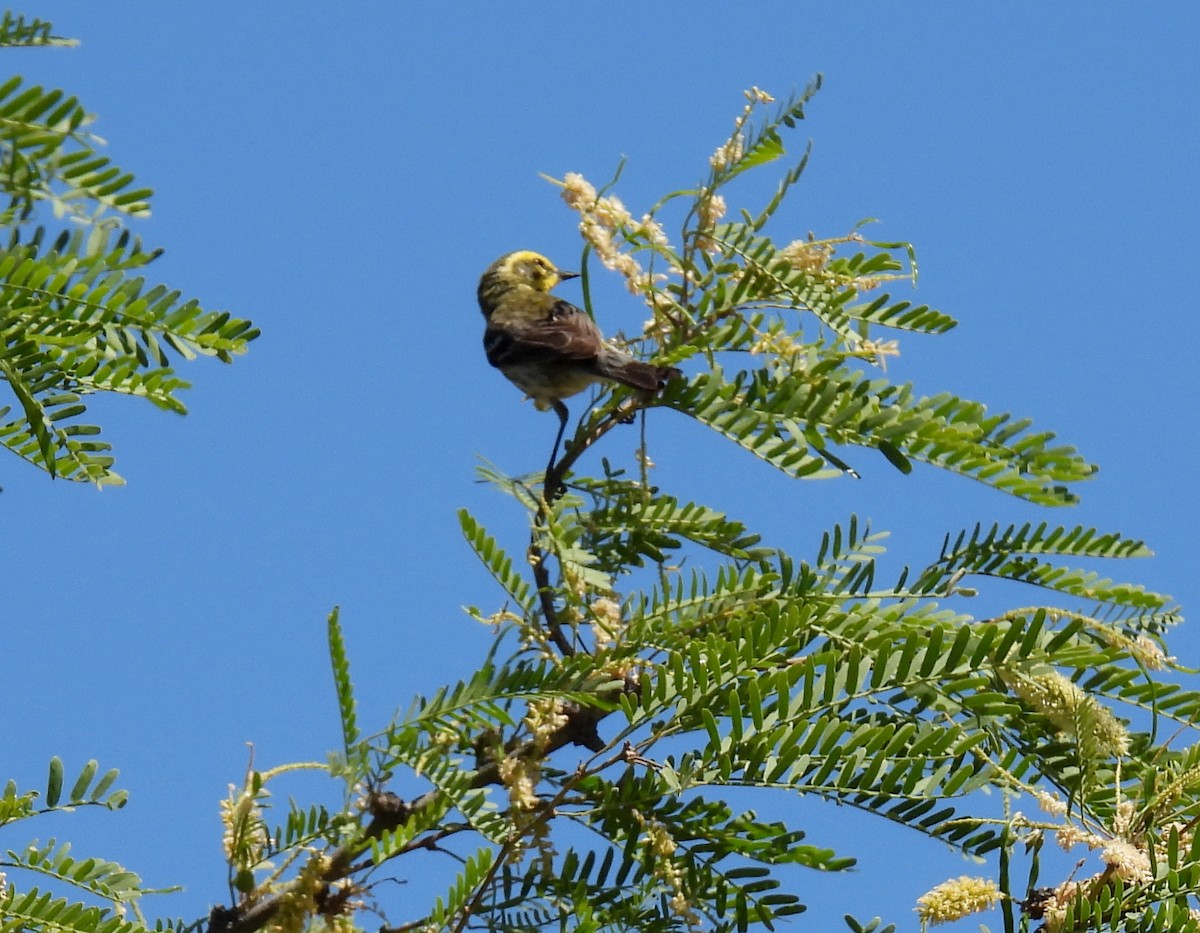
x=607 y=623
x=810 y=256
x=605 y=222
x=1124 y=851
x=1054 y=908
x=958 y=898
x=532 y=635
x=878 y=350
x=341 y=923
x=1123 y=818
x=659 y=302
x=1130 y=862
x=245 y=832
x=536 y=835
x=577 y=583
x=497 y=619
x=543 y=719
x=1069 y=708
x=578 y=192
x=1048 y=803
x=712 y=209
x=709 y=211
x=520 y=776
x=781 y=343
x=1070 y=835
x=662 y=846
x=298 y=901
x=659 y=841
x=1147 y=651
x=1182 y=830
x=729 y=152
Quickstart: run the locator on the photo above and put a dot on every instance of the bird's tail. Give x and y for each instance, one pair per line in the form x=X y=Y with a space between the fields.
x=620 y=367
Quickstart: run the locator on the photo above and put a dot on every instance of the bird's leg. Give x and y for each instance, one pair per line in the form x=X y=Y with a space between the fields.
x=553 y=487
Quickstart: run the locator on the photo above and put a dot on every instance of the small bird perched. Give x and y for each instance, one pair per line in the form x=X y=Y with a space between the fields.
x=547 y=347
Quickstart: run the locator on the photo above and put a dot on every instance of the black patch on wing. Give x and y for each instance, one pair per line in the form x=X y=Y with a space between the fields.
x=565 y=334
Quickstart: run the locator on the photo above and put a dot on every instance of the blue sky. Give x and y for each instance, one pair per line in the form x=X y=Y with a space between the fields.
x=341 y=175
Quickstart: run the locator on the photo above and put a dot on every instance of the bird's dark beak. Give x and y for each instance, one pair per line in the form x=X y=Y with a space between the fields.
x=563 y=276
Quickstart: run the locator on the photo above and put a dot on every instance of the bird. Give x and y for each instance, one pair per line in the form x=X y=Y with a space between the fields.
x=546 y=346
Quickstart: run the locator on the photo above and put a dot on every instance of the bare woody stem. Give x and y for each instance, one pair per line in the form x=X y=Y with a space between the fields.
x=554 y=481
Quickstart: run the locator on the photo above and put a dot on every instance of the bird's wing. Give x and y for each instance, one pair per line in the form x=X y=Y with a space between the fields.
x=565 y=333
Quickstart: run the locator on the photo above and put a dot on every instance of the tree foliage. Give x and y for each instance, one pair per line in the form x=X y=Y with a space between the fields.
x=77 y=314
x=653 y=653
x=77 y=317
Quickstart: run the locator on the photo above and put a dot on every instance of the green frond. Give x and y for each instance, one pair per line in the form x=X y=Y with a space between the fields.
x=304 y=827
x=89 y=787
x=1132 y=688
x=454 y=780
x=800 y=726
x=101 y=878
x=1008 y=553
x=630 y=524
x=901 y=315
x=344 y=687
x=15 y=805
x=788 y=416
x=846 y=559
x=757 y=273
x=790 y=177
x=498 y=563
x=709 y=826
x=21 y=911
x=403 y=838
x=934 y=819
x=762 y=143
x=1158 y=906
x=621 y=889
x=72 y=322
x=49 y=158
x=82 y=299
x=457 y=901
x=118 y=248
x=875 y=925
x=18 y=32
x=579 y=895
x=481 y=702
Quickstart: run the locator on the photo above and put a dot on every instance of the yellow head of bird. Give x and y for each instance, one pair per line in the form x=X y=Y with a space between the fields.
x=525 y=267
